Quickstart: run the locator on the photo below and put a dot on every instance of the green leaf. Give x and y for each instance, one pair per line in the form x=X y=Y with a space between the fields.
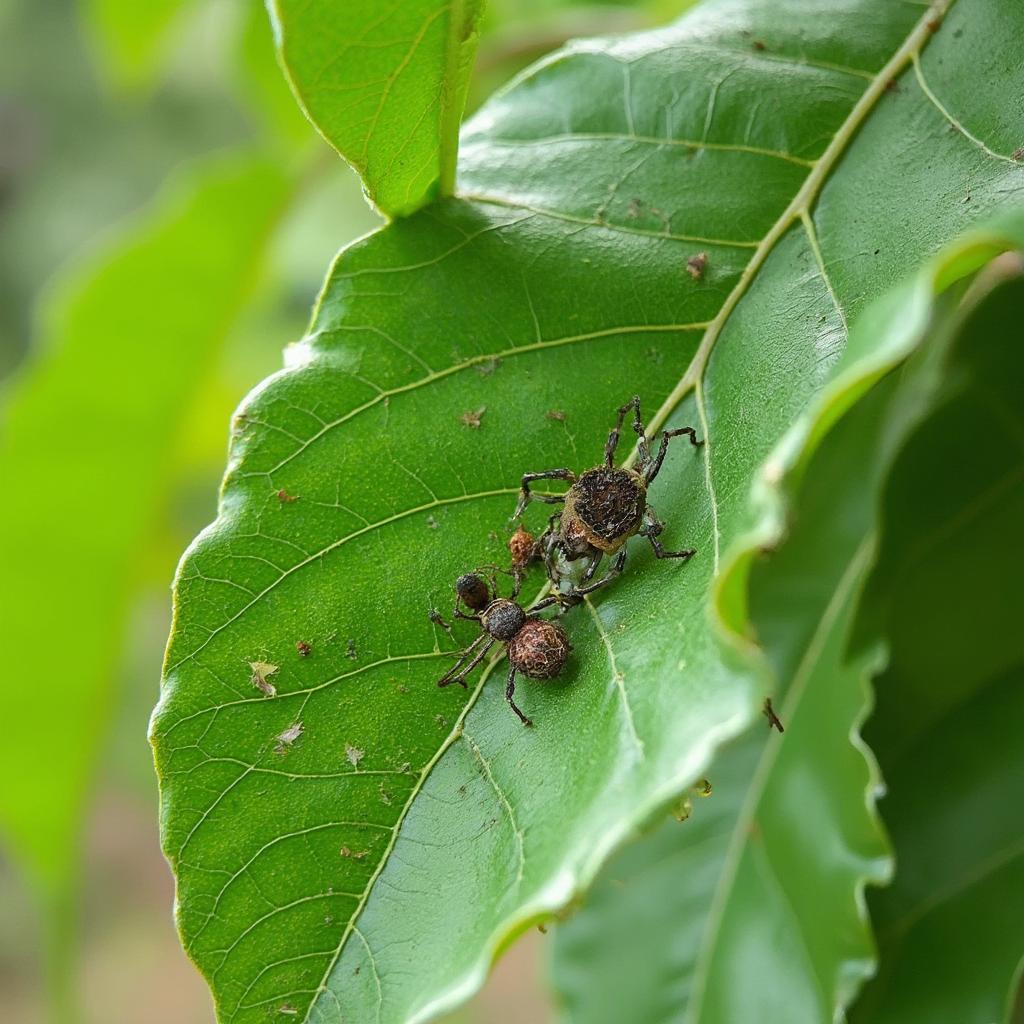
x=764 y=883
x=557 y=283
x=949 y=706
x=121 y=342
x=386 y=87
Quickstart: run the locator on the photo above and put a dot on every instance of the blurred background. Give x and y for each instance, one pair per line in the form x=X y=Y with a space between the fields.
x=119 y=120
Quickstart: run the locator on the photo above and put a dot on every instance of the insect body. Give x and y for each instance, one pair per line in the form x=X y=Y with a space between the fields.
x=536 y=647
x=603 y=508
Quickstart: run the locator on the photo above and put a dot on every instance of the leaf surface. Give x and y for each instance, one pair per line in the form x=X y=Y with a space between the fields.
x=554 y=288
x=765 y=883
x=385 y=84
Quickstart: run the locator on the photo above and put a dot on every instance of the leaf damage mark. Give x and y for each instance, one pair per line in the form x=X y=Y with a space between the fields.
x=471 y=418
x=261 y=673
x=287 y=738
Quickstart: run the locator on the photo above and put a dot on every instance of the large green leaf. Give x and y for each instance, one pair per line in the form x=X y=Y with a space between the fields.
x=90 y=423
x=947 y=728
x=386 y=85
x=786 y=845
x=558 y=283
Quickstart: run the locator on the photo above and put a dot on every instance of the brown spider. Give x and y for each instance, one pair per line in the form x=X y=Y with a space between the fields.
x=603 y=508
x=536 y=647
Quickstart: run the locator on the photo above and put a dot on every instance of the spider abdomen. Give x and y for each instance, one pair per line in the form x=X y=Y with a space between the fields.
x=607 y=505
x=539 y=649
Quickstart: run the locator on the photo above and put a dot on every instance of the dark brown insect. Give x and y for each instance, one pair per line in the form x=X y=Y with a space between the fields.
x=536 y=647
x=603 y=508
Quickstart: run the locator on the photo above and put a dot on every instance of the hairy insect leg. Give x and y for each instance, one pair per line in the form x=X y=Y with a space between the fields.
x=613 y=437
x=651 y=529
x=458 y=675
x=616 y=570
x=510 y=689
x=652 y=469
x=526 y=495
x=592 y=568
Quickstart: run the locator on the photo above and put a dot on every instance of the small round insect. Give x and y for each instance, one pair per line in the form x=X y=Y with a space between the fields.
x=603 y=508
x=536 y=647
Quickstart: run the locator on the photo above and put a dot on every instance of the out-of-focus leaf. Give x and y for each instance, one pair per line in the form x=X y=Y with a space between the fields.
x=265 y=87
x=764 y=883
x=947 y=730
x=132 y=34
x=385 y=83
x=358 y=487
x=89 y=425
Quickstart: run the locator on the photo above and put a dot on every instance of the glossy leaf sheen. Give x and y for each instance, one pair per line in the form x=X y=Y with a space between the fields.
x=557 y=284
x=68 y=437
x=385 y=83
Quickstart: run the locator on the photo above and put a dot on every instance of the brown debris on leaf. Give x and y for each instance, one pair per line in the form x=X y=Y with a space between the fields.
x=261 y=673
x=303 y=648
x=696 y=265
x=287 y=738
x=353 y=754
x=473 y=417
x=285 y=498
x=555 y=414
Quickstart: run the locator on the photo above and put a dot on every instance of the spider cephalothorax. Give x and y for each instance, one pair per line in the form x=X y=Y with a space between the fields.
x=536 y=647
x=603 y=508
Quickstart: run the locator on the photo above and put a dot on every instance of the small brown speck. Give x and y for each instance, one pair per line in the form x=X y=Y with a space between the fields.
x=542 y=928
x=934 y=24
x=285 y=498
x=492 y=536
x=702 y=787
x=473 y=417
x=261 y=672
x=759 y=46
x=303 y=648
x=696 y=265
x=892 y=85
x=353 y=754
x=555 y=414
x=1018 y=154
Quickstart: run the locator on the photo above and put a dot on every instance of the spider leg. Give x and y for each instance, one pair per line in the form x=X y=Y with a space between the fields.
x=510 y=689
x=592 y=568
x=458 y=675
x=617 y=566
x=651 y=471
x=651 y=528
x=526 y=495
x=613 y=437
